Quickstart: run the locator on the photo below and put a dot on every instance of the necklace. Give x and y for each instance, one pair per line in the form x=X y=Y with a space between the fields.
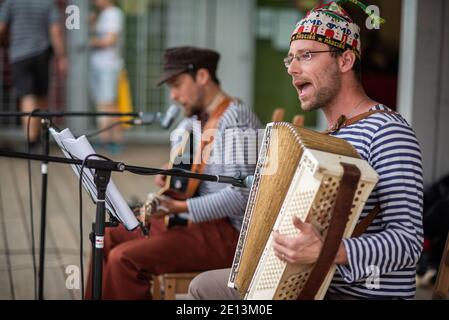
x=355 y=108
x=342 y=119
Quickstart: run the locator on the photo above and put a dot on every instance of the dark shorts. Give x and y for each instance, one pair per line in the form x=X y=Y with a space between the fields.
x=31 y=75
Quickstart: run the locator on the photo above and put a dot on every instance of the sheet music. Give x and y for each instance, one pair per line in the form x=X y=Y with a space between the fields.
x=80 y=148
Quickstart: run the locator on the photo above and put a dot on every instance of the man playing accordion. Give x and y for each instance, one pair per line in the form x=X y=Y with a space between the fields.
x=324 y=63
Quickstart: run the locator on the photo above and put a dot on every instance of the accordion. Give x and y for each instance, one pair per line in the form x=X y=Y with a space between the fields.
x=318 y=178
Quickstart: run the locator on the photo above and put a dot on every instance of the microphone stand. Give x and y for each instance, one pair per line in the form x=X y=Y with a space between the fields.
x=103 y=169
x=46 y=118
x=45 y=123
x=59 y=114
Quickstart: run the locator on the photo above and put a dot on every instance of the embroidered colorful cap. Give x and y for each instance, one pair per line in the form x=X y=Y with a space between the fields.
x=330 y=24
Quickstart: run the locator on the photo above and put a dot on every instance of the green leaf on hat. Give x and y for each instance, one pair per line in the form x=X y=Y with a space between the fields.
x=377 y=19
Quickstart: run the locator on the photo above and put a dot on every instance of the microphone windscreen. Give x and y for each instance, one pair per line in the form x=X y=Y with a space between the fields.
x=248 y=181
x=170 y=116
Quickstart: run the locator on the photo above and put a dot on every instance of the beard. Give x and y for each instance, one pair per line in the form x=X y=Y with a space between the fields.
x=193 y=111
x=328 y=91
x=197 y=106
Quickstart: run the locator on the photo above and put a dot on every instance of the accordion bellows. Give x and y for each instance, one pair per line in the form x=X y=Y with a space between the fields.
x=298 y=174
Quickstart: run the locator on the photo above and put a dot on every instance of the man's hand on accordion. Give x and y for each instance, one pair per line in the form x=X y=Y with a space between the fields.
x=303 y=248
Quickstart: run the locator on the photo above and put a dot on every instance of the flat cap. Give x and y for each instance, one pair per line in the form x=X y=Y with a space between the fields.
x=179 y=60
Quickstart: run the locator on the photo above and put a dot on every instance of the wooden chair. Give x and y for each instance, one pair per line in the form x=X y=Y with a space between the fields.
x=169 y=285
x=177 y=283
x=441 y=288
x=155 y=288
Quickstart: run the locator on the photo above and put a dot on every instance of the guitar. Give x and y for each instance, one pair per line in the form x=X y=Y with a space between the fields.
x=182 y=188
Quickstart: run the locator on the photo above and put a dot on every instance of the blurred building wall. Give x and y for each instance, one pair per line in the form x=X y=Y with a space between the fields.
x=226 y=26
x=424 y=80
x=232 y=28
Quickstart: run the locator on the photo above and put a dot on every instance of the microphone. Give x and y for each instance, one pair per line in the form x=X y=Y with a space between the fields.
x=169 y=116
x=164 y=119
x=145 y=118
x=237 y=180
x=248 y=181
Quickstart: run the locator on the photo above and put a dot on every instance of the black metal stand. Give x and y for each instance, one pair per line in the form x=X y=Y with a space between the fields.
x=141 y=118
x=101 y=181
x=44 y=172
x=103 y=171
x=46 y=117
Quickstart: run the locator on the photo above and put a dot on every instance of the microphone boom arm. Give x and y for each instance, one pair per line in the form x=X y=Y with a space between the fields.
x=120 y=167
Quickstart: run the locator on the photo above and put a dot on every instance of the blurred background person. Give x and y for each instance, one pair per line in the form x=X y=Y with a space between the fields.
x=106 y=63
x=34 y=36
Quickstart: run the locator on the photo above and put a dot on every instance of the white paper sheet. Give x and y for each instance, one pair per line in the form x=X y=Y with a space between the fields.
x=80 y=148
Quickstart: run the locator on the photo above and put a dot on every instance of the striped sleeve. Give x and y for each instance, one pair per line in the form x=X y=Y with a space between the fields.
x=228 y=202
x=395 y=155
x=234 y=153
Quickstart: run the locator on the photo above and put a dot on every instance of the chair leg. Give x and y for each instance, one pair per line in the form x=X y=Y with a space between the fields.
x=177 y=283
x=170 y=289
x=156 y=288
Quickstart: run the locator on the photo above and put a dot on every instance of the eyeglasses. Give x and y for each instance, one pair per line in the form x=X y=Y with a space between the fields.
x=303 y=56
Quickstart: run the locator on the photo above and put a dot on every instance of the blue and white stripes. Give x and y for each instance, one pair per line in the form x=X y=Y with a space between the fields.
x=382 y=262
x=217 y=200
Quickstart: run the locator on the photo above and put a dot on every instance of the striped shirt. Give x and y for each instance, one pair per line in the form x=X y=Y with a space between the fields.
x=29 y=22
x=382 y=262
x=233 y=152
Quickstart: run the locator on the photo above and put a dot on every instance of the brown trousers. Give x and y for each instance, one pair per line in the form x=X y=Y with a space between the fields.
x=131 y=260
